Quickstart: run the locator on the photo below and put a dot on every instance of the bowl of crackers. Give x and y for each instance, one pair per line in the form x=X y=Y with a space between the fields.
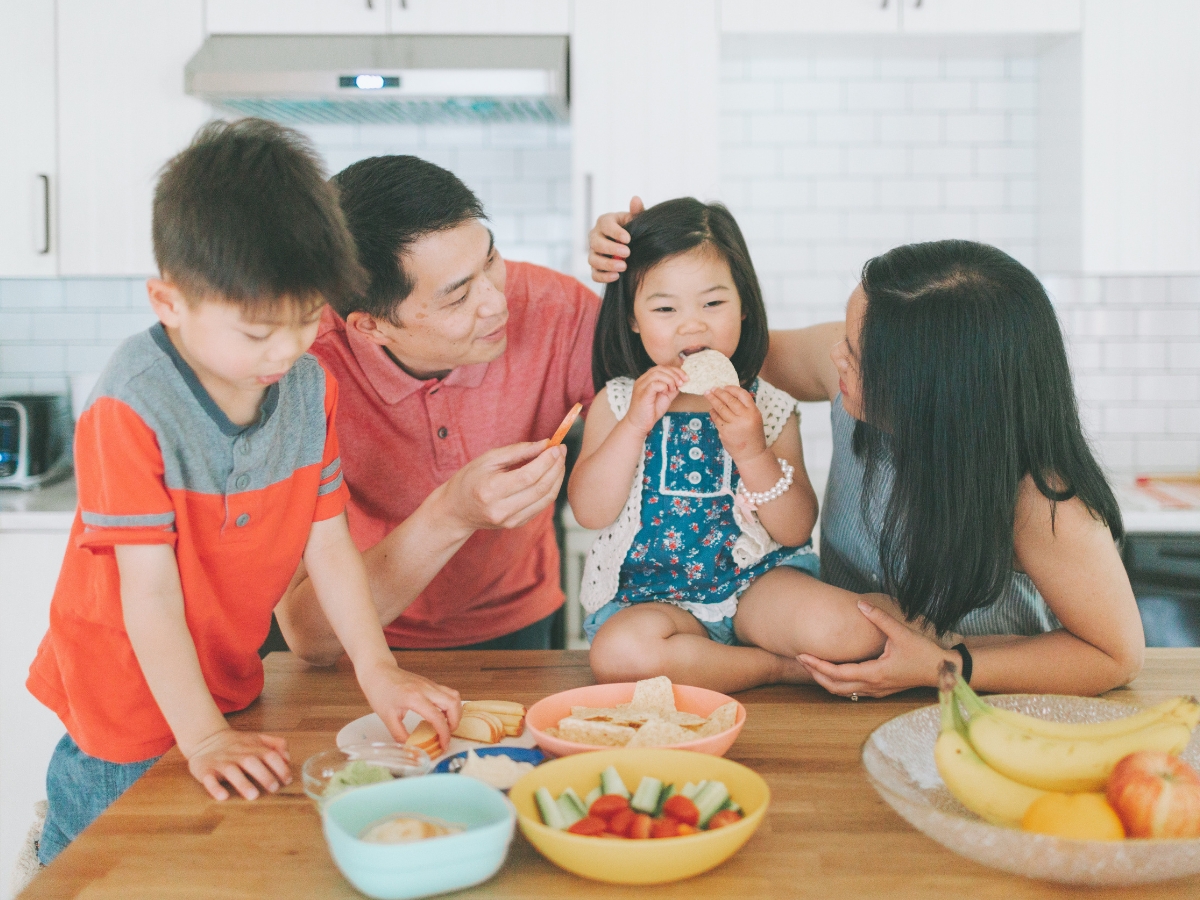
x=649 y=713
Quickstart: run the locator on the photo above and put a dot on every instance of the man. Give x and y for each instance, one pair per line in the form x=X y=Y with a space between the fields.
x=453 y=368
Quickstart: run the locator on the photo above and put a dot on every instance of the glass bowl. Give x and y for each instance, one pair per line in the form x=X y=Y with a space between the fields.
x=332 y=772
x=898 y=757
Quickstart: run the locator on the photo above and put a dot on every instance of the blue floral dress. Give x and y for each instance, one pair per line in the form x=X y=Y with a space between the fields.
x=683 y=551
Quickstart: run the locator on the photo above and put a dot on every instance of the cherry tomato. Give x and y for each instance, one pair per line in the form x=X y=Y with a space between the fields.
x=619 y=824
x=664 y=828
x=640 y=826
x=608 y=806
x=687 y=829
x=723 y=818
x=589 y=826
x=682 y=809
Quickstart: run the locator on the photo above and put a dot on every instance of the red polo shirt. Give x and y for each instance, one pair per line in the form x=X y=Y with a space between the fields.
x=401 y=438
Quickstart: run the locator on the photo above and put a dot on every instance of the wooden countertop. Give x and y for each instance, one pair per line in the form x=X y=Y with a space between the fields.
x=827 y=833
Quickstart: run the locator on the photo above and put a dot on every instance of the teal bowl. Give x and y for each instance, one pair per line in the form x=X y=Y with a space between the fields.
x=422 y=868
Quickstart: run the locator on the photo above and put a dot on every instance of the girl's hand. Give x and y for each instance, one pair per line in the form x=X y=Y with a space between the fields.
x=909 y=659
x=240 y=759
x=392 y=692
x=652 y=396
x=738 y=421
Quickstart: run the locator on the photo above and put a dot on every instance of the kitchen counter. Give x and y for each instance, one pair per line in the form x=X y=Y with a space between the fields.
x=46 y=509
x=826 y=834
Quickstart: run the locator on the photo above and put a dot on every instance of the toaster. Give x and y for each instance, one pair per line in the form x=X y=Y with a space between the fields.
x=36 y=431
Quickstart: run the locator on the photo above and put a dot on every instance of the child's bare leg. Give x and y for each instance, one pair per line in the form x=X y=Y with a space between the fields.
x=650 y=639
x=788 y=612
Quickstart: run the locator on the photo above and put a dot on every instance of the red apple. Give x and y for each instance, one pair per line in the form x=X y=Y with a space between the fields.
x=1156 y=795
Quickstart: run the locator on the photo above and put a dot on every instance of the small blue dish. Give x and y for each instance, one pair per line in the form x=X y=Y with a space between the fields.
x=451 y=764
x=421 y=868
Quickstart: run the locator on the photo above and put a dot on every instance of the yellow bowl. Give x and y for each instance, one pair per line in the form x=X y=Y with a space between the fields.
x=649 y=861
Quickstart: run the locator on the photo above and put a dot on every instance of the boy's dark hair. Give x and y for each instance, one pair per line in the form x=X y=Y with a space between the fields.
x=665 y=230
x=389 y=203
x=966 y=384
x=244 y=214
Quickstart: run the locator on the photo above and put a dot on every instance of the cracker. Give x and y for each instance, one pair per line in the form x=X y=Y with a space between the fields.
x=654 y=695
x=706 y=370
x=659 y=733
x=686 y=719
x=722 y=719
x=588 y=731
x=614 y=715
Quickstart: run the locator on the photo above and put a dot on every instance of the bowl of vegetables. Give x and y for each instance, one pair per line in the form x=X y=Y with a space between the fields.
x=639 y=816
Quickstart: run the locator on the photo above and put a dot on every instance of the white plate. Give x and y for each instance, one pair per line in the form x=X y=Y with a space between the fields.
x=898 y=757
x=370 y=728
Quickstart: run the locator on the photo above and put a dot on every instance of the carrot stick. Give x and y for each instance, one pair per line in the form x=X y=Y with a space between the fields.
x=566 y=425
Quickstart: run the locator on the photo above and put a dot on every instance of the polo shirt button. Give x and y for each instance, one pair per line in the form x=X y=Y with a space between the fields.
x=694 y=477
x=442 y=432
x=695 y=453
x=694 y=424
x=242 y=520
x=242 y=481
x=245 y=447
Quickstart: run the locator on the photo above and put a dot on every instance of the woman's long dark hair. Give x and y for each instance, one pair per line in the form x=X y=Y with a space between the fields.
x=966 y=384
x=665 y=230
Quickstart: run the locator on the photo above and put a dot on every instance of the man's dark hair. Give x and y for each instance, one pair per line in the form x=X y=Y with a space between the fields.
x=666 y=230
x=245 y=215
x=389 y=203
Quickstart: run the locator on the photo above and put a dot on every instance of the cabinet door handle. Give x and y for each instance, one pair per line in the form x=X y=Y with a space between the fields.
x=41 y=211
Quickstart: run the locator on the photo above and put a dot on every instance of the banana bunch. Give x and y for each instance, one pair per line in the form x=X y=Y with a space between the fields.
x=996 y=762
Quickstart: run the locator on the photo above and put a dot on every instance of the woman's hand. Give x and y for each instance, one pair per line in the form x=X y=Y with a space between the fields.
x=909 y=659
x=608 y=243
x=738 y=421
x=652 y=396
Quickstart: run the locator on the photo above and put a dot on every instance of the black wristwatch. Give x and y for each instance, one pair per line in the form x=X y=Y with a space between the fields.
x=966 y=661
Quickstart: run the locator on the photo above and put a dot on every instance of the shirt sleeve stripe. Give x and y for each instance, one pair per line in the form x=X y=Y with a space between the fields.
x=96 y=520
x=331 y=468
x=330 y=487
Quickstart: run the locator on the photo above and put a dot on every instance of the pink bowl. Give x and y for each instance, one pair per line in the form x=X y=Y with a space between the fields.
x=700 y=701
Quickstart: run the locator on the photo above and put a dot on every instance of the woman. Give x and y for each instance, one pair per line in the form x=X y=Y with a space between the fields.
x=961 y=483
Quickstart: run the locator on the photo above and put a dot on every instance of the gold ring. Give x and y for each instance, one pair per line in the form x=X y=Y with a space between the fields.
x=854 y=697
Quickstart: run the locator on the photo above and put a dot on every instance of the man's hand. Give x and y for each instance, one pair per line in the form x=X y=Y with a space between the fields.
x=392 y=692
x=508 y=486
x=608 y=243
x=229 y=756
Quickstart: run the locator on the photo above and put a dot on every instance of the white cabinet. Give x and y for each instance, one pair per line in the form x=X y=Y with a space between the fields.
x=384 y=16
x=28 y=174
x=892 y=16
x=296 y=16
x=643 y=108
x=122 y=113
x=29 y=564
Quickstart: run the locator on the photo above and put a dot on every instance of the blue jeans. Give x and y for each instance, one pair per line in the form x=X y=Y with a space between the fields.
x=80 y=787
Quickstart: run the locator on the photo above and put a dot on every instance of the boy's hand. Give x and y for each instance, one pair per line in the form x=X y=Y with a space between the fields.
x=738 y=421
x=608 y=243
x=392 y=692
x=230 y=756
x=652 y=396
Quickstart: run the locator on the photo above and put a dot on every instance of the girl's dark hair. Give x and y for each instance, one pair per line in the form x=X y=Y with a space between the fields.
x=967 y=388
x=665 y=230
x=245 y=214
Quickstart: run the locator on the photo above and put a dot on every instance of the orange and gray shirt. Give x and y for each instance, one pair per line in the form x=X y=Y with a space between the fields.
x=158 y=462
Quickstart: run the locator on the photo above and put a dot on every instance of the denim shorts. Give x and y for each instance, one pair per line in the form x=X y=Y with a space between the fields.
x=78 y=788
x=720 y=631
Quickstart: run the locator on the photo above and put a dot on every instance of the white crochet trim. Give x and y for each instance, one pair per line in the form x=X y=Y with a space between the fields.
x=709 y=612
x=602 y=571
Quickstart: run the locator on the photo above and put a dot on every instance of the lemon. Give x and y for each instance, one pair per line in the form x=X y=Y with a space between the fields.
x=1084 y=817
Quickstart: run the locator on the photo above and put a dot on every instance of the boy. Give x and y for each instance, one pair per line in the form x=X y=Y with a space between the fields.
x=208 y=468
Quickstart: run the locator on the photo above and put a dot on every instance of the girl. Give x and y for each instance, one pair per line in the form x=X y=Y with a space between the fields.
x=961 y=482
x=704 y=570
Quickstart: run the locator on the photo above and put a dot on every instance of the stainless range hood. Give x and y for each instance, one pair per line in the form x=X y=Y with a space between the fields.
x=383 y=79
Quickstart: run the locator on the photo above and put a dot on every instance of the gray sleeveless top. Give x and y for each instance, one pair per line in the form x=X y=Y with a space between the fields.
x=850 y=544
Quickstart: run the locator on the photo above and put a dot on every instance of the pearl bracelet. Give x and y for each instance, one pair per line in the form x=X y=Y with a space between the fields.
x=758 y=498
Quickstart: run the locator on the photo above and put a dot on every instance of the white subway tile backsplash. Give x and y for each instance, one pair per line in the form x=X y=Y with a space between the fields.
x=65 y=326
x=911 y=128
x=976 y=193
x=1184 y=421
x=944 y=95
x=973 y=67
x=30 y=359
x=822 y=226
x=868 y=160
x=1012 y=160
x=975 y=128
x=937 y=226
x=847 y=128
x=871 y=95
x=16 y=326
x=1103 y=322
x=809 y=160
x=31 y=294
x=942 y=161
x=1183 y=356
x=1170 y=322
x=910 y=193
x=809 y=96
x=844 y=193
x=845 y=67
x=910 y=67
x=1152 y=454
x=1134 y=420
x=1009 y=94
x=1168 y=390
x=741 y=96
x=764 y=160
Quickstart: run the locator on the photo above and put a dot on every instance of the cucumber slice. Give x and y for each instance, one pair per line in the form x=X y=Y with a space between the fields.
x=611 y=783
x=709 y=799
x=737 y=809
x=689 y=790
x=571 y=807
x=645 y=799
x=668 y=792
x=593 y=795
x=549 y=809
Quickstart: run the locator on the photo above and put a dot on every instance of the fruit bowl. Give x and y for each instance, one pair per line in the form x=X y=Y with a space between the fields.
x=898 y=757
x=639 y=861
